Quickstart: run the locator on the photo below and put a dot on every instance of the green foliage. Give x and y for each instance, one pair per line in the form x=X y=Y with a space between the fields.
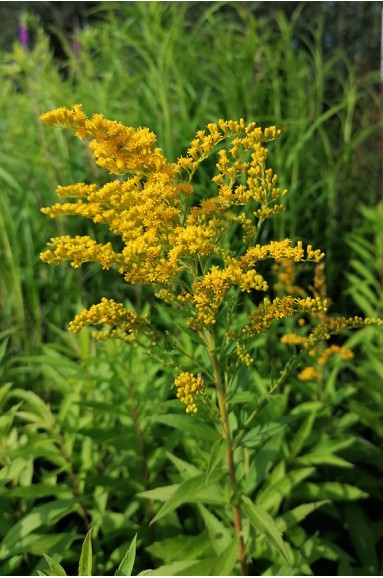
x=93 y=437
x=86 y=558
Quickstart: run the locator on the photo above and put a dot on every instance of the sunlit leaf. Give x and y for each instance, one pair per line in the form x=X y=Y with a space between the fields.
x=85 y=564
x=126 y=566
x=261 y=520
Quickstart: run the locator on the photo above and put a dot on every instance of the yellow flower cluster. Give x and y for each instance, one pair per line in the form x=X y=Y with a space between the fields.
x=286 y=277
x=320 y=285
x=209 y=292
x=243 y=356
x=163 y=233
x=79 y=250
x=188 y=386
x=327 y=325
x=176 y=237
x=334 y=325
x=121 y=322
x=343 y=352
x=280 y=250
x=280 y=308
x=118 y=148
x=293 y=339
x=310 y=374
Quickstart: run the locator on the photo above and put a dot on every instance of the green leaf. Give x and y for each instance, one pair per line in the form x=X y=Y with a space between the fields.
x=170 y=569
x=6 y=387
x=186 y=469
x=365 y=272
x=227 y=559
x=105 y=407
x=85 y=564
x=13 y=470
x=54 y=567
x=274 y=493
x=363 y=537
x=330 y=491
x=126 y=566
x=369 y=417
x=181 y=548
x=45 y=515
x=188 y=424
x=318 y=459
x=263 y=462
x=291 y=518
x=162 y=494
x=186 y=492
x=41 y=410
x=261 y=520
x=302 y=434
x=40 y=491
x=217 y=456
x=262 y=432
x=219 y=535
x=209 y=495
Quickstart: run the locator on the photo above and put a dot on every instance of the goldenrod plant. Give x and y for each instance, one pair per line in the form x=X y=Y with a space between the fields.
x=202 y=255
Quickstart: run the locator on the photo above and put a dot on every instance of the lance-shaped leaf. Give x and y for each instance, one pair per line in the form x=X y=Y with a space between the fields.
x=261 y=520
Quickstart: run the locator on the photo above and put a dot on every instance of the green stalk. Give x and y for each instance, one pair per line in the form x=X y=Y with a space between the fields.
x=224 y=416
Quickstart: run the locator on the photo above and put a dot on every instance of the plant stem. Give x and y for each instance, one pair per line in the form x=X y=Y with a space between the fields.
x=222 y=405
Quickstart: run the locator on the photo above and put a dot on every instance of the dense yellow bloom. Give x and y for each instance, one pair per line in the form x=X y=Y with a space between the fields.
x=209 y=292
x=188 y=386
x=293 y=339
x=279 y=250
x=178 y=239
x=310 y=374
x=79 y=250
x=118 y=148
x=119 y=321
x=148 y=211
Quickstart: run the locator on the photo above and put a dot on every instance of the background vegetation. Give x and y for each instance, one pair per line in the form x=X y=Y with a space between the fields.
x=83 y=430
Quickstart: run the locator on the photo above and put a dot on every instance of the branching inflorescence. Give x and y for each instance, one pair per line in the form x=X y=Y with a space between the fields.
x=170 y=239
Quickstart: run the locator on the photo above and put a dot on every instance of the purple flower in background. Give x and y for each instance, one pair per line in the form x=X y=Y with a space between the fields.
x=23 y=32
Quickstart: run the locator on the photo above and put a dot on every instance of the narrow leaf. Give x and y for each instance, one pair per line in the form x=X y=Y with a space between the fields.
x=126 y=566
x=186 y=424
x=315 y=459
x=227 y=559
x=302 y=434
x=330 y=491
x=186 y=492
x=274 y=493
x=291 y=518
x=261 y=432
x=45 y=515
x=218 y=533
x=261 y=520
x=55 y=567
x=363 y=537
x=85 y=564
